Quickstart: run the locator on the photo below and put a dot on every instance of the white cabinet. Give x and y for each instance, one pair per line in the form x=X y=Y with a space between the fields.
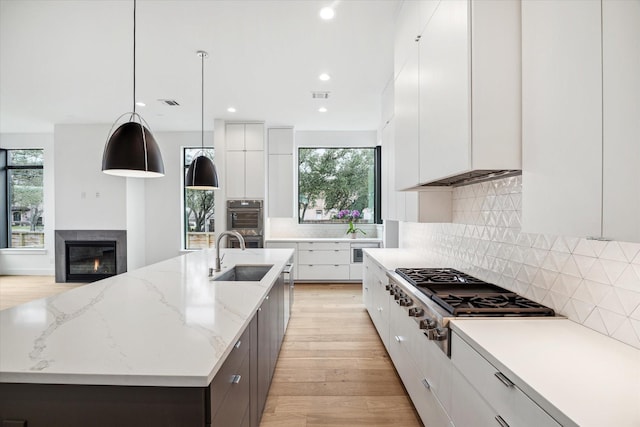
x=406 y=124
x=581 y=100
x=245 y=173
x=501 y=398
x=324 y=260
x=458 y=91
x=286 y=245
x=621 y=115
x=470 y=81
x=281 y=189
x=404 y=341
x=377 y=297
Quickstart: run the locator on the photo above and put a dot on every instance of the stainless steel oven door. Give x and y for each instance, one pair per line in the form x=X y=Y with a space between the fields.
x=249 y=242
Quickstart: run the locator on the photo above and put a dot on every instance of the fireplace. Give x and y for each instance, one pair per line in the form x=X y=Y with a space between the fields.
x=89 y=255
x=88 y=261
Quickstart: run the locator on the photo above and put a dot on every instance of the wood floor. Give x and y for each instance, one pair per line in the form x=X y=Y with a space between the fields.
x=333 y=370
x=16 y=290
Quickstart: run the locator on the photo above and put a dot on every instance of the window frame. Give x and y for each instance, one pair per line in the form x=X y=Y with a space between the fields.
x=184 y=223
x=377 y=182
x=6 y=217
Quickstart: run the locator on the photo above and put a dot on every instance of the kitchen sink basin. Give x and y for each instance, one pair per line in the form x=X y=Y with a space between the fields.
x=244 y=273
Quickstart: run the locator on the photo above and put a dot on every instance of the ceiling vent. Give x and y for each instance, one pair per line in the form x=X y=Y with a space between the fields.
x=320 y=95
x=170 y=102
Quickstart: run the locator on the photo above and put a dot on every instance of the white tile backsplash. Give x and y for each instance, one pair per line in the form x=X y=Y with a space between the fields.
x=595 y=283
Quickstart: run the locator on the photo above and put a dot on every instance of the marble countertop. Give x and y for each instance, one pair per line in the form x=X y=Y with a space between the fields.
x=165 y=324
x=577 y=375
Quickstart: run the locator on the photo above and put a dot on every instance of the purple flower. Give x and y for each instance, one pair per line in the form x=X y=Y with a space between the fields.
x=355 y=214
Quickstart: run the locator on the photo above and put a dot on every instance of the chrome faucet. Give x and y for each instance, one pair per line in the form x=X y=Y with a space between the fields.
x=226 y=233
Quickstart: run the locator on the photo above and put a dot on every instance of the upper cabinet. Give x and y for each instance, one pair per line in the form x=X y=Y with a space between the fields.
x=244 y=160
x=457 y=89
x=621 y=116
x=281 y=190
x=581 y=103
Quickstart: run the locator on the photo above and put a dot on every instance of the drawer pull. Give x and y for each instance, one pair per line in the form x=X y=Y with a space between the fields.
x=236 y=379
x=425 y=383
x=501 y=421
x=398 y=338
x=238 y=344
x=366 y=289
x=503 y=379
x=266 y=298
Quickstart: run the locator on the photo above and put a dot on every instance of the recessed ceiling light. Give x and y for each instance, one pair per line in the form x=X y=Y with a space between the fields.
x=327 y=13
x=324 y=77
x=231 y=110
x=322 y=109
x=141 y=104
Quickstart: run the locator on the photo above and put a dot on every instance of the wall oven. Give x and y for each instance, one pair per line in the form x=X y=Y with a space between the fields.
x=245 y=217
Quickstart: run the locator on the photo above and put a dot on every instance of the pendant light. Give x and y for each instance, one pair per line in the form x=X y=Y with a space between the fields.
x=131 y=150
x=202 y=174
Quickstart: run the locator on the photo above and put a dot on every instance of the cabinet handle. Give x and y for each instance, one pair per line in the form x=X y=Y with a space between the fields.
x=236 y=379
x=501 y=421
x=238 y=344
x=259 y=308
x=425 y=383
x=398 y=338
x=266 y=298
x=366 y=289
x=336 y=250
x=503 y=379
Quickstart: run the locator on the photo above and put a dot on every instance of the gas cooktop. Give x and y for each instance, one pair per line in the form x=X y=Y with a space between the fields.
x=463 y=295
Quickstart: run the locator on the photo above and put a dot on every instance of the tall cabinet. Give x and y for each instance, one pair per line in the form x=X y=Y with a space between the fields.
x=245 y=160
x=281 y=190
x=581 y=103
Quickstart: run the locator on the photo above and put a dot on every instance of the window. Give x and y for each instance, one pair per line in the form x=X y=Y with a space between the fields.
x=335 y=179
x=23 y=201
x=199 y=216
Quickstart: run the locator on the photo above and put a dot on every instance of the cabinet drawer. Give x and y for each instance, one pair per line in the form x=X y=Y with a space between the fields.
x=344 y=246
x=323 y=272
x=515 y=407
x=468 y=409
x=234 y=404
x=223 y=380
x=355 y=272
x=313 y=256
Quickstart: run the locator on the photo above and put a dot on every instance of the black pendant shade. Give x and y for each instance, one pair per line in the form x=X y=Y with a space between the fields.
x=132 y=151
x=202 y=174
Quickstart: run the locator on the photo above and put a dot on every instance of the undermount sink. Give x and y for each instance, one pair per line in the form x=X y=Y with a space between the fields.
x=244 y=273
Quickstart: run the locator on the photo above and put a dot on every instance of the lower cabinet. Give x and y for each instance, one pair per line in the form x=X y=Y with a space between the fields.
x=484 y=396
x=426 y=381
x=324 y=260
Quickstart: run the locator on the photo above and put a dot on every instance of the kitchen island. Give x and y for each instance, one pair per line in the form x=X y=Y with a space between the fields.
x=150 y=341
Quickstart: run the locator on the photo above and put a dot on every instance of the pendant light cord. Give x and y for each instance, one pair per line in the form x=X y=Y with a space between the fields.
x=202 y=111
x=134 y=56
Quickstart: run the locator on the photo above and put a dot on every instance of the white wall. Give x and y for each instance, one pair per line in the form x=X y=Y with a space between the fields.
x=336 y=138
x=136 y=223
x=85 y=197
x=29 y=261
x=163 y=196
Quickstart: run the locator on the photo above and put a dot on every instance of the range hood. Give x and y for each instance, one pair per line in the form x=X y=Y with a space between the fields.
x=472 y=177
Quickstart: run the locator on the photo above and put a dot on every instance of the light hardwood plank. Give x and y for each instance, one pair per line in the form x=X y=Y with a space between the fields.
x=333 y=370
x=15 y=290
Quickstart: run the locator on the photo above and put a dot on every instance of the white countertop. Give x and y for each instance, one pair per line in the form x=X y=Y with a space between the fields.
x=165 y=324
x=323 y=239
x=576 y=374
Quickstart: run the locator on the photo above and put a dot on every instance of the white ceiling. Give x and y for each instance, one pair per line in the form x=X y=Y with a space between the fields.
x=71 y=62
